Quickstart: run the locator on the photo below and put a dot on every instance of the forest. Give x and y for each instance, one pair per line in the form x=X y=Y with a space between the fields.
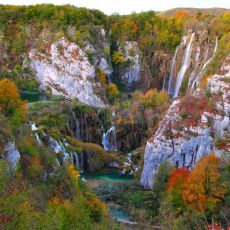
x=49 y=146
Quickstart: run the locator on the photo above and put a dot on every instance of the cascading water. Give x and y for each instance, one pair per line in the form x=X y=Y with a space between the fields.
x=172 y=72
x=35 y=129
x=109 y=141
x=77 y=128
x=185 y=64
x=205 y=65
x=68 y=156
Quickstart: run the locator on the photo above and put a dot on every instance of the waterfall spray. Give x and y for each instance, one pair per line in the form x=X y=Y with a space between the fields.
x=184 y=66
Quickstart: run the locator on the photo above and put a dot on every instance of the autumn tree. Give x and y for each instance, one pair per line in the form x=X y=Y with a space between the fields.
x=158 y=101
x=112 y=92
x=117 y=57
x=204 y=187
x=10 y=103
x=177 y=179
x=176 y=185
x=125 y=29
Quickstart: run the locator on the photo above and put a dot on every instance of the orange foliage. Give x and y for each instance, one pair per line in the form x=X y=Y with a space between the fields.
x=125 y=28
x=204 y=188
x=102 y=78
x=73 y=174
x=10 y=103
x=181 y=14
x=177 y=179
x=204 y=81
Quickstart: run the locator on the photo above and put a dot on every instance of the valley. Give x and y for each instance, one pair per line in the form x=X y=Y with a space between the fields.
x=114 y=122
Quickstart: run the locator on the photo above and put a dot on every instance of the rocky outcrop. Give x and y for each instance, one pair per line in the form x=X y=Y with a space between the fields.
x=155 y=69
x=65 y=70
x=12 y=154
x=183 y=144
x=98 y=48
x=143 y=71
x=131 y=135
x=109 y=139
x=132 y=72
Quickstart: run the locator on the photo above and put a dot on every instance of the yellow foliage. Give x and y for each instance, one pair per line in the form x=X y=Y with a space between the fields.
x=204 y=186
x=73 y=174
x=152 y=98
x=117 y=57
x=10 y=102
x=97 y=208
x=102 y=78
x=112 y=88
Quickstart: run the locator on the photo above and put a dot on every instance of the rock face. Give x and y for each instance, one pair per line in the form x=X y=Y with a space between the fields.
x=99 y=49
x=109 y=140
x=132 y=73
x=65 y=70
x=155 y=69
x=143 y=71
x=182 y=144
x=12 y=154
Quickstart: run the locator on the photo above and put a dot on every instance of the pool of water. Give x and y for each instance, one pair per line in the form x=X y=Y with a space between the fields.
x=35 y=96
x=119 y=214
x=108 y=175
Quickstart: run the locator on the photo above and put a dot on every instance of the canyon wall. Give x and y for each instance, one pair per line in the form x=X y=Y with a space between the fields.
x=183 y=141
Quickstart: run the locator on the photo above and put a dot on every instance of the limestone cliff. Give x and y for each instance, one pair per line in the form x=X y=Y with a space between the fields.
x=183 y=143
x=65 y=70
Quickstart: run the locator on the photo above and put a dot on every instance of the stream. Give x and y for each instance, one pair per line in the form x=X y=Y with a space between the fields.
x=101 y=182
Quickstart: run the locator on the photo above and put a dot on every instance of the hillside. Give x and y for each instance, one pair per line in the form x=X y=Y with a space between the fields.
x=114 y=122
x=194 y=11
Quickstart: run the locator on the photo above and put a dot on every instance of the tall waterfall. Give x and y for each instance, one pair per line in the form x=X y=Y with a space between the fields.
x=185 y=64
x=172 y=72
x=109 y=141
x=205 y=64
x=77 y=129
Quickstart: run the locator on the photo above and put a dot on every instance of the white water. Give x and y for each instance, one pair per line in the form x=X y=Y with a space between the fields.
x=184 y=66
x=205 y=65
x=58 y=147
x=77 y=130
x=171 y=78
x=109 y=140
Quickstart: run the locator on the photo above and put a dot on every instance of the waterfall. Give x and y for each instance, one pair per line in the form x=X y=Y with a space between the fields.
x=185 y=64
x=75 y=159
x=58 y=147
x=109 y=141
x=205 y=64
x=77 y=128
x=34 y=128
x=171 y=78
x=197 y=61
